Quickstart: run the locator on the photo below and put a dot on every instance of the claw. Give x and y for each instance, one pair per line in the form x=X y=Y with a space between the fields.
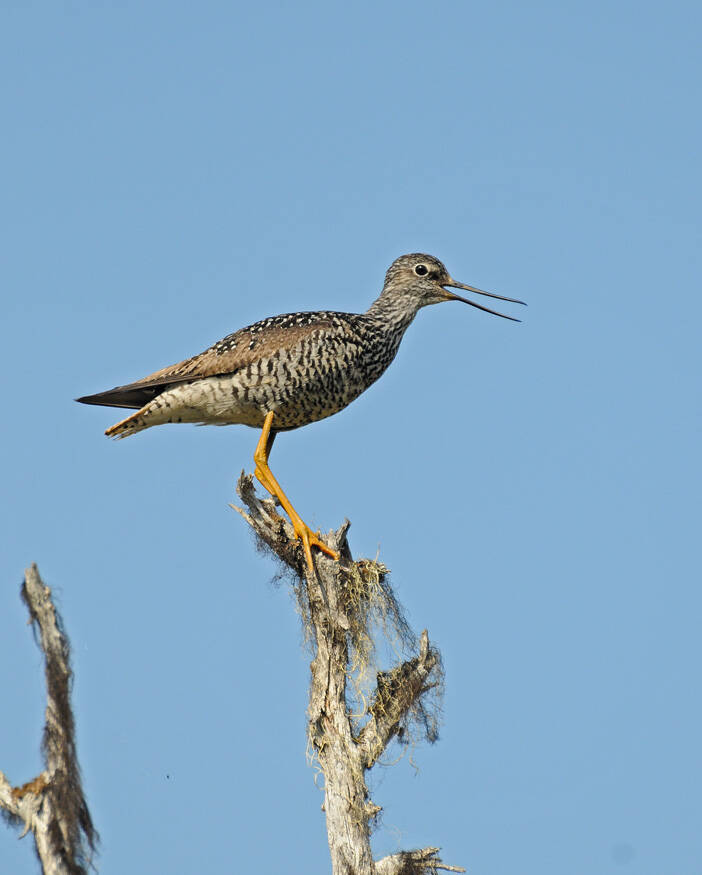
x=311 y=539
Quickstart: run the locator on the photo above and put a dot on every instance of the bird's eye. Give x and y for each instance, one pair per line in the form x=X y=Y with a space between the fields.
x=421 y=270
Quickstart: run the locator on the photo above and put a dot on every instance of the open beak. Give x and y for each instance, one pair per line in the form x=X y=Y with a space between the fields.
x=450 y=296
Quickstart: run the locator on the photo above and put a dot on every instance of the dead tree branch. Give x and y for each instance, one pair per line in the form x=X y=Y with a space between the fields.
x=414 y=863
x=395 y=693
x=52 y=806
x=343 y=607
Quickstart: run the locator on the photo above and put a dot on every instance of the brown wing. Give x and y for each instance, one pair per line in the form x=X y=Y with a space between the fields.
x=228 y=355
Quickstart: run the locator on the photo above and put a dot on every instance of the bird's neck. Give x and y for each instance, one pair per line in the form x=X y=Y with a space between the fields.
x=393 y=311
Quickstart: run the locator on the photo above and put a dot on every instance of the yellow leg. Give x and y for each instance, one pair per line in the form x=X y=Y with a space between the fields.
x=265 y=476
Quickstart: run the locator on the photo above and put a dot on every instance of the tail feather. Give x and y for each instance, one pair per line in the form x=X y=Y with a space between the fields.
x=124 y=396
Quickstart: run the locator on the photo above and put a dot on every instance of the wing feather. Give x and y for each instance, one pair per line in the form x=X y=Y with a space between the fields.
x=232 y=353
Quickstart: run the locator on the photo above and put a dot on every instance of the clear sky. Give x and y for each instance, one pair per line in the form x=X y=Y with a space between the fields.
x=174 y=171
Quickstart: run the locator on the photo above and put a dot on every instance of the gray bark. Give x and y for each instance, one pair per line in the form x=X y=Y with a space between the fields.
x=344 y=605
x=52 y=806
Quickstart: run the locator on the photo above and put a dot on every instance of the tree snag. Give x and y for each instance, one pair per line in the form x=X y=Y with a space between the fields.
x=52 y=806
x=351 y=721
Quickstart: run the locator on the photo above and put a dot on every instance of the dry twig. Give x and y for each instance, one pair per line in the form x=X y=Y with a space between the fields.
x=52 y=806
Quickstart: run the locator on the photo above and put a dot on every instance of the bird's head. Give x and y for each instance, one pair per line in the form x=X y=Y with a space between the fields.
x=424 y=279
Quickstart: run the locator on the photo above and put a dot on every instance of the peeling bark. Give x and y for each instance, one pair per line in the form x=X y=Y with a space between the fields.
x=339 y=605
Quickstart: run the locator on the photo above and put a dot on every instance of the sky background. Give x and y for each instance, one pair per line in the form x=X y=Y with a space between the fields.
x=174 y=171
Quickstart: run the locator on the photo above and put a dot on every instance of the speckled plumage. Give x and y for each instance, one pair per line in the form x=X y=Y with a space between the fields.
x=302 y=367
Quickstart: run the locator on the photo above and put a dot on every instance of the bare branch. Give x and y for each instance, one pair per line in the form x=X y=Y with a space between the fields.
x=396 y=692
x=425 y=860
x=53 y=805
x=341 y=604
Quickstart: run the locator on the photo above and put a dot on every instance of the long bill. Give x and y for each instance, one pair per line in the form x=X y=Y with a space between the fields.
x=451 y=296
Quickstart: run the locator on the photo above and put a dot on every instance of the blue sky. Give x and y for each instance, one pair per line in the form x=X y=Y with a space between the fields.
x=175 y=171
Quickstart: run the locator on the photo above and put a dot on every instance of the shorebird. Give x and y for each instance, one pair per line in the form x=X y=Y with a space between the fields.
x=288 y=371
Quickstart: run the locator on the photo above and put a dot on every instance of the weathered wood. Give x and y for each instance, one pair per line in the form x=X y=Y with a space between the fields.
x=395 y=693
x=339 y=605
x=414 y=863
x=52 y=806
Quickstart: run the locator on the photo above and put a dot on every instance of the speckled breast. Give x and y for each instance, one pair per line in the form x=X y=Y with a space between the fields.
x=316 y=377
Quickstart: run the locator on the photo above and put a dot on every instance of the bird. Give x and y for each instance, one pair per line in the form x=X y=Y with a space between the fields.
x=288 y=371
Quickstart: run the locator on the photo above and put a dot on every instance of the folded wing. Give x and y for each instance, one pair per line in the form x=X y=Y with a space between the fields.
x=236 y=351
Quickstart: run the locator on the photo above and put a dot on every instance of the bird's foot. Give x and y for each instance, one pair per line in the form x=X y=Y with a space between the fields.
x=311 y=539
